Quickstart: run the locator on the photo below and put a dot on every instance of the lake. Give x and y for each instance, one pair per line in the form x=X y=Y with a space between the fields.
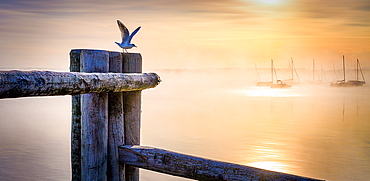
x=309 y=130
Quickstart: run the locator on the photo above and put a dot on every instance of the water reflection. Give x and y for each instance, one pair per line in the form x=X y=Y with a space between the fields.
x=268 y=157
x=270 y=165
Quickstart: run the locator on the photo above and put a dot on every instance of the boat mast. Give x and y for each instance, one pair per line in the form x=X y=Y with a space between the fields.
x=335 y=73
x=258 y=74
x=344 y=70
x=272 y=71
x=357 y=70
x=313 y=70
x=291 y=66
x=323 y=73
x=362 y=74
x=296 y=73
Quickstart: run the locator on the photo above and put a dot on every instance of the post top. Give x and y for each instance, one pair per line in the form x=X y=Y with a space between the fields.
x=97 y=50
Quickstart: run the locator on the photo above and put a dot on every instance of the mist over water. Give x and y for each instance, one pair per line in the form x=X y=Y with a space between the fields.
x=310 y=130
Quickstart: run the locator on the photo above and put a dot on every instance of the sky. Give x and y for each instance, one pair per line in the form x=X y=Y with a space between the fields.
x=189 y=34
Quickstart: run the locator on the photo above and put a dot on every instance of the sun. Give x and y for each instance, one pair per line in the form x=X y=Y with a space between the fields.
x=269 y=2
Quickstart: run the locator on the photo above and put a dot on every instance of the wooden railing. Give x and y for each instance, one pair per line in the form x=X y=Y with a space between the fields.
x=45 y=83
x=105 y=132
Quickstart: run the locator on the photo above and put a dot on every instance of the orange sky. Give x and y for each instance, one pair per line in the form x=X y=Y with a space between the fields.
x=188 y=34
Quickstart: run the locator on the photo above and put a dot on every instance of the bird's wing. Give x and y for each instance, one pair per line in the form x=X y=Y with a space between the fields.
x=133 y=34
x=124 y=31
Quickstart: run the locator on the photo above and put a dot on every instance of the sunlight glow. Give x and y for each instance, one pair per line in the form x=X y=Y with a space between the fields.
x=270 y=156
x=269 y=2
x=268 y=92
x=269 y=165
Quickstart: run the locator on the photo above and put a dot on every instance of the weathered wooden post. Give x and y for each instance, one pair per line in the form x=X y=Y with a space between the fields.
x=115 y=123
x=89 y=134
x=102 y=122
x=94 y=120
x=132 y=63
x=76 y=121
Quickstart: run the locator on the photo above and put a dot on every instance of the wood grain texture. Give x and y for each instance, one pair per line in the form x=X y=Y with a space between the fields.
x=94 y=120
x=192 y=167
x=115 y=170
x=76 y=121
x=45 y=83
x=132 y=63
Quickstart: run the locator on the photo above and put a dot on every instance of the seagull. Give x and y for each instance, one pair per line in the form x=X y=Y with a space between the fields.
x=126 y=37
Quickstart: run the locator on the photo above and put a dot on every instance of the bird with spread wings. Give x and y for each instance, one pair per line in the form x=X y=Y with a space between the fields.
x=126 y=37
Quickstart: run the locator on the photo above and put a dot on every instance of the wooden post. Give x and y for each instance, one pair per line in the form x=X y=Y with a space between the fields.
x=101 y=122
x=76 y=121
x=94 y=120
x=115 y=123
x=132 y=63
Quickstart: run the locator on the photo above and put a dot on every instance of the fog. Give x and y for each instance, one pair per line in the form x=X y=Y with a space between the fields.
x=221 y=114
x=309 y=130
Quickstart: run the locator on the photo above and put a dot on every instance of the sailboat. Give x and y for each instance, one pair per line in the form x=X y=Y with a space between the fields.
x=314 y=80
x=262 y=84
x=279 y=83
x=350 y=83
x=293 y=70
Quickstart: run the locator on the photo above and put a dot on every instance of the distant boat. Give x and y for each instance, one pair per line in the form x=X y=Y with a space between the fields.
x=350 y=83
x=314 y=80
x=279 y=83
x=262 y=84
x=293 y=70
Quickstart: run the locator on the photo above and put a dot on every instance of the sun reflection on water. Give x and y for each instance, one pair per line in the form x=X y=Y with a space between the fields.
x=270 y=165
x=269 y=154
x=269 y=157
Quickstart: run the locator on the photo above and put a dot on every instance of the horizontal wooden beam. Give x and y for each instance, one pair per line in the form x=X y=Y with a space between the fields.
x=45 y=83
x=192 y=167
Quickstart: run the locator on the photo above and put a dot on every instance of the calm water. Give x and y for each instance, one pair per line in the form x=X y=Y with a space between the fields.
x=311 y=130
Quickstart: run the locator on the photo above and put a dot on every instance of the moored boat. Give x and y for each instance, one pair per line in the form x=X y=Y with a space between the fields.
x=350 y=83
x=281 y=85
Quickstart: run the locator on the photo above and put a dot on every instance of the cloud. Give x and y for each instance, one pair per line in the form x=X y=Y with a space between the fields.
x=178 y=27
x=349 y=10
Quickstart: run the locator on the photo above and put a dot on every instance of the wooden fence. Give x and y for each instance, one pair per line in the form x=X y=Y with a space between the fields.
x=105 y=132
